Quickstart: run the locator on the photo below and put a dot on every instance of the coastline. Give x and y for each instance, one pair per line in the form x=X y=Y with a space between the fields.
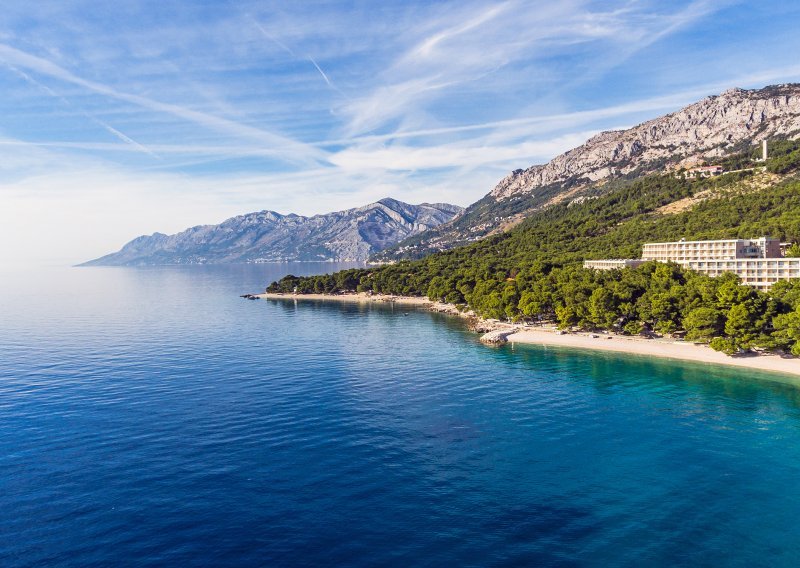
x=361 y=298
x=530 y=335
x=660 y=348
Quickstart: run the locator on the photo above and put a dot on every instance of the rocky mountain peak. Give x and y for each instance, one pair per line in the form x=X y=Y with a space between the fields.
x=267 y=236
x=711 y=127
x=705 y=129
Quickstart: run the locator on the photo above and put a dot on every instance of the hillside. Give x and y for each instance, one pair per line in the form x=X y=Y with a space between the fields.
x=267 y=236
x=533 y=271
x=614 y=225
x=702 y=132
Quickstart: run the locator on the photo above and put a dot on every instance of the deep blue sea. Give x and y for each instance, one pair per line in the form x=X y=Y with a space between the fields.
x=152 y=417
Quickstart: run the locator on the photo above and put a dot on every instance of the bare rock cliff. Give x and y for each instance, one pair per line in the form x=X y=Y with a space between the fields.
x=702 y=130
x=715 y=126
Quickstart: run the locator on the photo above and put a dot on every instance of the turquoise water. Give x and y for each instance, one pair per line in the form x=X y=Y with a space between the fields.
x=152 y=417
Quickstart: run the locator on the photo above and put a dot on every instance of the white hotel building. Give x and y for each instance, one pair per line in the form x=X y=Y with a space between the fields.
x=757 y=262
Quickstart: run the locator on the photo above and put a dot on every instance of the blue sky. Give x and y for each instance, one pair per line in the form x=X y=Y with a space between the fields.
x=124 y=118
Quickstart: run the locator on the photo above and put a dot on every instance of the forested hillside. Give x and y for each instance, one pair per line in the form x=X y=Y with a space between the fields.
x=711 y=130
x=534 y=271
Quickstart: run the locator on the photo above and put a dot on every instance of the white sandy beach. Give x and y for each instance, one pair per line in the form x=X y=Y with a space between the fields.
x=662 y=348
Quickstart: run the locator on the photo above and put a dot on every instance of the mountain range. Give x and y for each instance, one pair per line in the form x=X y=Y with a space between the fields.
x=605 y=200
x=702 y=132
x=705 y=132
x=267 y=236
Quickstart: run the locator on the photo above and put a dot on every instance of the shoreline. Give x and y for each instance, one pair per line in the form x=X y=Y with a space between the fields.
x=658 y=348
x=501 y=332
x=364 y=298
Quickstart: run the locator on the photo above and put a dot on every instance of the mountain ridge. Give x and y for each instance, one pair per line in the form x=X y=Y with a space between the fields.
x=267 y=236
x=702 y=131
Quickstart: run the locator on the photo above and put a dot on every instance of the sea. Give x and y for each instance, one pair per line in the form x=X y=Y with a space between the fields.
x=152 y=417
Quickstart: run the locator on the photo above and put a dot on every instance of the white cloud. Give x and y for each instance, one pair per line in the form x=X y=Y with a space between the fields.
x=405 y=158
x=84 y=210
x=297 y=109
x=469 y=46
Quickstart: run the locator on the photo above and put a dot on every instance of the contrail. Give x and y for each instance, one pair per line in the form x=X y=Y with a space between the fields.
x=272 y=38
x=321 y=72
x=125 y=138
x=291 y=52
x=324 y=76
x=107 y=127
x=291 y=150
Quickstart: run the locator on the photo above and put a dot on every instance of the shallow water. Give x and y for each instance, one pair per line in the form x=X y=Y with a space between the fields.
x=151 y=416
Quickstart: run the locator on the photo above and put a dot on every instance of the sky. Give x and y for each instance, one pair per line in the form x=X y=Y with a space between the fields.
x=125 y=118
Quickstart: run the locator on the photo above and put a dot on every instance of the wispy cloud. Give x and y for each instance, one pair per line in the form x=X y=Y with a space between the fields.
x=402 y=158
x=308 y=108
x=289 y=149
x=467 y=49
x=116 y=133
x=547 y=123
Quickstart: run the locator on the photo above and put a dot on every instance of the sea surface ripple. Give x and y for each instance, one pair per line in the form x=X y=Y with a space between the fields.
x=152 y=417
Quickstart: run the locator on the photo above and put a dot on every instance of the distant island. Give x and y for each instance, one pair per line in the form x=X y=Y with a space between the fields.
x=266 y=236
